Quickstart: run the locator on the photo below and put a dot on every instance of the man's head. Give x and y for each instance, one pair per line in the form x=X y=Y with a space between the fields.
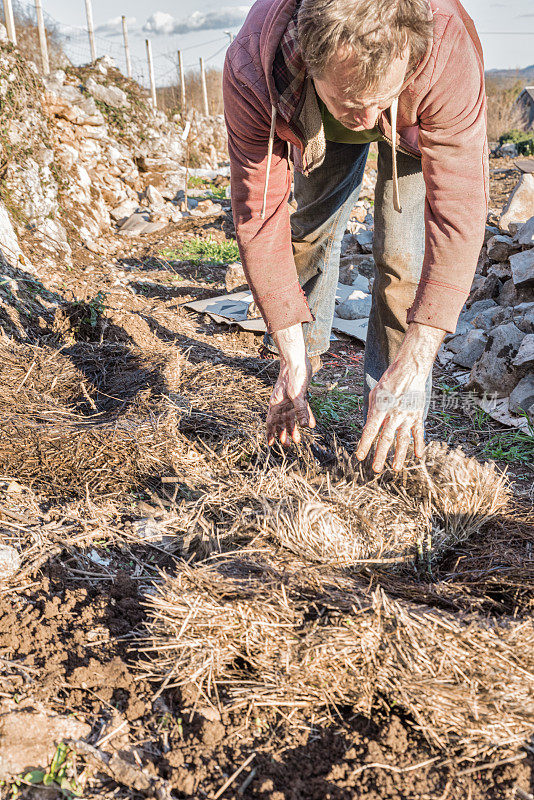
x=358 y=52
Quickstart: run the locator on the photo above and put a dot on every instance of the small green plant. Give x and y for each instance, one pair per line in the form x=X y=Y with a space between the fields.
x=524 y=141
x=335 y=406
x=219 y=192
x=54 y=777
x=203 y=250
x=193 y=182
x=513 y=447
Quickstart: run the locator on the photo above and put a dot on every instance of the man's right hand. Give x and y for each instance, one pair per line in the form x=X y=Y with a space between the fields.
x=288 y=405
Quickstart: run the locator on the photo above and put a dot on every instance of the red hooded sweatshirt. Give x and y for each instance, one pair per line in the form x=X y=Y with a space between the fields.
x=441 y=119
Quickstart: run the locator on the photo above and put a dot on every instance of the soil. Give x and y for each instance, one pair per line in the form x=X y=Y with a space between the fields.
x=68 y=626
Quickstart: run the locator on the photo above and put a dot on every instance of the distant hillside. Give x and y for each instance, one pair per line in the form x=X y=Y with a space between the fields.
x=525 y=75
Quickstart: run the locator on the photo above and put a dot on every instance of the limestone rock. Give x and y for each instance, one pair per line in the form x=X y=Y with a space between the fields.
x=525 y=236
x=520 y=206
x=494 y=372
x=235 y=276
x=525 y=355
x=154 y=198
x=500 y=248
x=492 y=317
x=29 y=738
x=522 y=398
x=488 y=287
x=502 y=270
x=136 y=224
x=471 y=347
x=507 y=294
x=524 y=317
x=110 y=95
x=9 y=562
x=356 y=306
x=523 y=268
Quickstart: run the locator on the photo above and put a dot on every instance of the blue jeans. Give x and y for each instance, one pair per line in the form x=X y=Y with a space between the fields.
x=325 y=200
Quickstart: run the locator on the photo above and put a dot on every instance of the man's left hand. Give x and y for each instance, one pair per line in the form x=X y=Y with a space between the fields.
x=397 y=402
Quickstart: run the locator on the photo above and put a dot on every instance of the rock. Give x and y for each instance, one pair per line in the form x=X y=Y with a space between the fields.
x=520 y=206
x=206 y=208
x=351 y=266
x=471 y=348
x=491 y=231
x=136 y=223
x=29 y=738
x=524 y=317
x=235 y=276
x=508 y=150
x=494 y=373
x=365 y=240
x=508 y=294
x=522 y=397
x=523 y=268
x=9 y=562
x=154 y=198
x=356 y=306
x=525 y=236
x=476 y=308
x=525 y=355
x=500 y=248
x=110 y=95
x=10 y=252
x=488 y=287
x=503 y=271
x=123 y=210
x=492 y=317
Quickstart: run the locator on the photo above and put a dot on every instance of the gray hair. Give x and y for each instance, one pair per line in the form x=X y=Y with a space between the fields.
x=368 y=34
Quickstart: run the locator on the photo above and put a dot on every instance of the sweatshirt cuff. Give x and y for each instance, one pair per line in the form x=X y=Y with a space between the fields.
x=437 y=305
x=285 y=307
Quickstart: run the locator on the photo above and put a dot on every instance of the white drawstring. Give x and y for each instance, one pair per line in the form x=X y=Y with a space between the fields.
x=269 y=159
x=396 y=194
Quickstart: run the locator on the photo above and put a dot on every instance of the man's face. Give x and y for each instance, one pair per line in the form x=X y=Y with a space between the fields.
x=359 y=113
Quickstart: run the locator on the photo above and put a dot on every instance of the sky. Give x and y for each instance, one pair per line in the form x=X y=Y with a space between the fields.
x=198 y=28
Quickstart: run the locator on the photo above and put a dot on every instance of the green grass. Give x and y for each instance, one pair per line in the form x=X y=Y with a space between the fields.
x=513 y=447
x=335 y=406
x=196 y=183
x=219 y=192
x=203 y=250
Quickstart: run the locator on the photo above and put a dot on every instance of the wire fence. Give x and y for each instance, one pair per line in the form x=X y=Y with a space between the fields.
x=74 y=43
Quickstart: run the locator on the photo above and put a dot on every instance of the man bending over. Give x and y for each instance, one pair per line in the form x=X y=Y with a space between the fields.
x=314 y=82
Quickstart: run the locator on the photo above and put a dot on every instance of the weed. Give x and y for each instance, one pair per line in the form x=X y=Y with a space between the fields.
x=193 y=182
x=203 y=250
x=336 y=406
x=54 y=777
x=513 y=447
x=219 y=192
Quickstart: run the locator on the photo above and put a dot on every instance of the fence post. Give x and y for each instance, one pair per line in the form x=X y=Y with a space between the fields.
x=42 y=37
x=204 y=87
x=182 y=81
x=10 y=22
x=151 y=73
x=90 y=29
x=126 y=46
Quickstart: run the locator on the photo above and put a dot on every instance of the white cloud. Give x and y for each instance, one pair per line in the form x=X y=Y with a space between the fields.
x=162 y=23
x=114 y=26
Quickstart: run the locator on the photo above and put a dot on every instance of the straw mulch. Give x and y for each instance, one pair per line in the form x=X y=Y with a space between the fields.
x=90 y=421
x=245 y=625
x=432 y=506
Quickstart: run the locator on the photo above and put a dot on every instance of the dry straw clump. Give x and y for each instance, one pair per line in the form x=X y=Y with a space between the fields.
x=433 y=505
x=86 y=424
x=238 y=624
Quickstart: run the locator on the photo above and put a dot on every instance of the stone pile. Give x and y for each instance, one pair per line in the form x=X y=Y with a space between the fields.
x=495 y=334
x=88 y=156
